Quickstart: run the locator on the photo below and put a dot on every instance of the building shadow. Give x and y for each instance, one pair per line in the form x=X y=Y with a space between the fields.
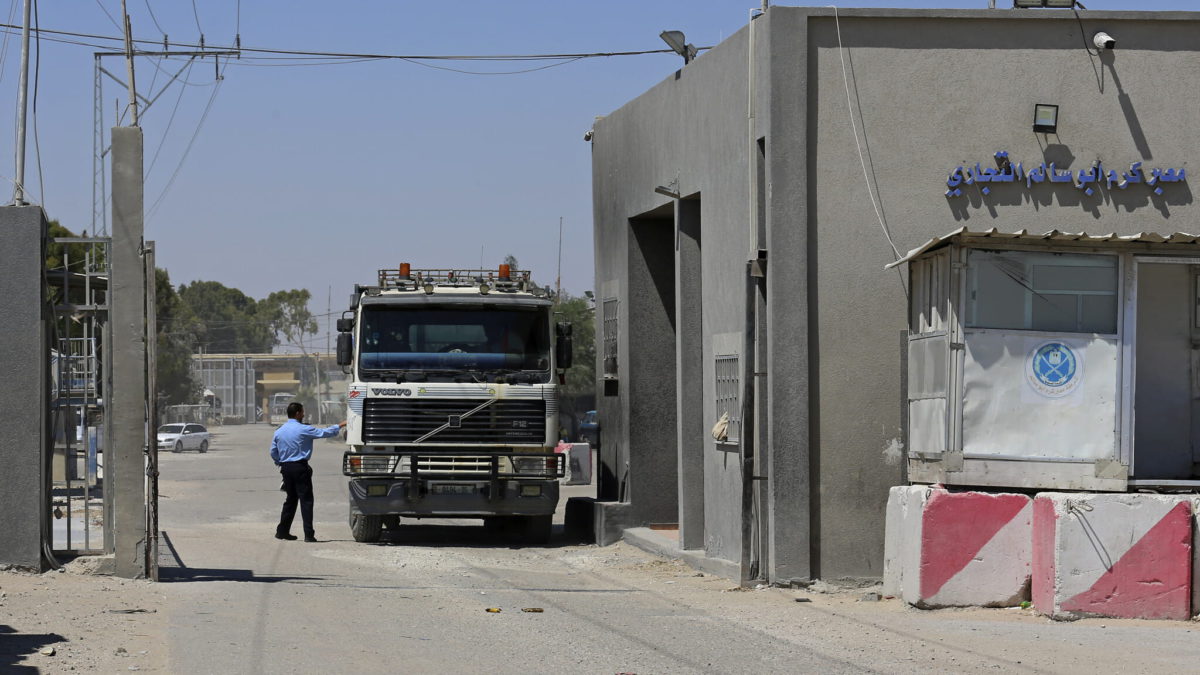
x=198 y=574
x=15 y=646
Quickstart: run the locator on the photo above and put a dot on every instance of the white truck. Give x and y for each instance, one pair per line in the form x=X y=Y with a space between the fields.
x=453 y=400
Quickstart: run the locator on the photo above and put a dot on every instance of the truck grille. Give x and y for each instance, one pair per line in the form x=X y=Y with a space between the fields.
x=402 y=420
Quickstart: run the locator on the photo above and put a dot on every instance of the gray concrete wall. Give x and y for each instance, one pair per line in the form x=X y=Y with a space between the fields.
x=25 y=355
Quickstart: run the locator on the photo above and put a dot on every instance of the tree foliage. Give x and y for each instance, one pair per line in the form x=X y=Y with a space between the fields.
x=579 y=394
x=175 y=342
x=227 y=320
x=288 y=316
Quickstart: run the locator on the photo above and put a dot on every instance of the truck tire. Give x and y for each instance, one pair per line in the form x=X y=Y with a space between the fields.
x=366 y=529
x=535 y=530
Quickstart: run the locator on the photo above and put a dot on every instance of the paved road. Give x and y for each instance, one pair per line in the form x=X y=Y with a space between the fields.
x=240 y=601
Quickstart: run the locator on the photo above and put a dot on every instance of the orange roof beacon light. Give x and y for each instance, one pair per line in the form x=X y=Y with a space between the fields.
x=404 y=270
x=505 y=271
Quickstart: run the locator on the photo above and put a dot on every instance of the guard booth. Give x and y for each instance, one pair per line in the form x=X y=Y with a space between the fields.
x=1054 y=361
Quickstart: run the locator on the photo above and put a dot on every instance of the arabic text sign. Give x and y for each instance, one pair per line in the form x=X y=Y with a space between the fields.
x=1085 y=180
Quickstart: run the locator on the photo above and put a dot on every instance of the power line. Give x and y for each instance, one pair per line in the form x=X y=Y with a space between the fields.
x=162 y=140
x=37 y=76
x=188 y=149
x=110 y=16
x=351 y=55
x=154 y=18
x=197 y=15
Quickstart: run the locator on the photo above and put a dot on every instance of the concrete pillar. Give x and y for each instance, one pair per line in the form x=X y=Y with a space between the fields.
x=793 y=449
x=24 y=388
x=689 y=372
x=125 y=471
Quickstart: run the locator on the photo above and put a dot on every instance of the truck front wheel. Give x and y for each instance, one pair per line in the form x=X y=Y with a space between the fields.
x=366 y=529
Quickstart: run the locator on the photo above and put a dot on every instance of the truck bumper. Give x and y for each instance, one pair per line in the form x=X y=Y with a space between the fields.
x=452 y=499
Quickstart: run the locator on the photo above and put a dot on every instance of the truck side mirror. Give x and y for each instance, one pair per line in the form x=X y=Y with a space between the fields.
x=345 y=349
x=564 y=346
x=345 y=325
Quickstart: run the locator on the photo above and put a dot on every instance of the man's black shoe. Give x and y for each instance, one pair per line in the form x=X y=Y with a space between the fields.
x=288 y=537
x=311 y=540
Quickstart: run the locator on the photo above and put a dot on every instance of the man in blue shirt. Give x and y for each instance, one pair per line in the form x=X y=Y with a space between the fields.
x=290 y=449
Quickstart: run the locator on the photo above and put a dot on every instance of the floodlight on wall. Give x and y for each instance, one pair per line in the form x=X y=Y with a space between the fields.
x=677 y=42
x=1045 y=118
x=1050 y=4
x=665 y=191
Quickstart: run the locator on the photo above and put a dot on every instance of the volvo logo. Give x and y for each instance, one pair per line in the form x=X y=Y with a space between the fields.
x=391 y=392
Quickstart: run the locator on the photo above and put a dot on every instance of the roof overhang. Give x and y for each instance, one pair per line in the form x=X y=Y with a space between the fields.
x=1052 y=237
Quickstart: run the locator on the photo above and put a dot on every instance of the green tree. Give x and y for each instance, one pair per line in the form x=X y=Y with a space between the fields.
x=290 y=319
x=227 y=320
x=579 y=394
x=177 y=328
x=288 y=316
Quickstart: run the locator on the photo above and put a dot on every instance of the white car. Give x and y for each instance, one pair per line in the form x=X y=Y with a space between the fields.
x=180 y=437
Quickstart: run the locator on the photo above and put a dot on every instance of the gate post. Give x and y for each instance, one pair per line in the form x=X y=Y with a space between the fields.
x=127 y=404
x=24 y=388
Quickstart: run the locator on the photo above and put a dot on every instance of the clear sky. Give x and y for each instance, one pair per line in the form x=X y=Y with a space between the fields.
x=315 y=176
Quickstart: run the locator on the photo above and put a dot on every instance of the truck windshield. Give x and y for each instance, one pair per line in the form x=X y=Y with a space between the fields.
x=449 y=338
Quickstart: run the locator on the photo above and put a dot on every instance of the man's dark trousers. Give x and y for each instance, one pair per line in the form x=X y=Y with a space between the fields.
x=297 y=483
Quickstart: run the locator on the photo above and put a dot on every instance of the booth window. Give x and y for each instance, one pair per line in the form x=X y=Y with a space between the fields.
x=609 y=326
x=728 y=394
x=1049 y=292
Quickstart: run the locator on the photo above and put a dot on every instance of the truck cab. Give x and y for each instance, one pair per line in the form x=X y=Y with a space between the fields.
x=453 y=400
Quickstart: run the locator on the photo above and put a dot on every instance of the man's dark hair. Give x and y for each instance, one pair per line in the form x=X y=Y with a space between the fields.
x=294 y=408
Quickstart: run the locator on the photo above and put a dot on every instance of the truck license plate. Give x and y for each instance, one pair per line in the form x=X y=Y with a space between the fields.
x=451 y=489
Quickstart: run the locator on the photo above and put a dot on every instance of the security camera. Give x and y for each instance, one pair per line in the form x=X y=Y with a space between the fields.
x=1103 y=40
x=587 y=135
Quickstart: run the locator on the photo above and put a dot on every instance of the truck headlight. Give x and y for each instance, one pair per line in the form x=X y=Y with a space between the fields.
x=535 y=466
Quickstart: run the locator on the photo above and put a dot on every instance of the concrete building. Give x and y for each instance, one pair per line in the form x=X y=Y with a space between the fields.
x=746 y=206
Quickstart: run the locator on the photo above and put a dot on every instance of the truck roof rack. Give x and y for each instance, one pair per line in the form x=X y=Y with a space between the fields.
x=405 y=278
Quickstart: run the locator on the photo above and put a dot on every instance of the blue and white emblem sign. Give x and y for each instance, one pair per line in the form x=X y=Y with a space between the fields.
x=1053 y=369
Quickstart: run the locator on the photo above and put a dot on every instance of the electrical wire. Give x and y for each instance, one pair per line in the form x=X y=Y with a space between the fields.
x=154 y=18
x=203 y=117
x=184 y=80
x=12 y=10
x=162 y=140
x=196 y=14
x=351 y=55
x=866 y=174
x=37 y=146
x=110 y=16
x=505 y=72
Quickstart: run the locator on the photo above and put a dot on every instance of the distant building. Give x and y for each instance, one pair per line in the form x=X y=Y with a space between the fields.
x=746 y=206
x=246 y=386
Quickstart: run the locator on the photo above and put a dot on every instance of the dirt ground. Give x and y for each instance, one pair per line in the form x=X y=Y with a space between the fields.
x=72 y=621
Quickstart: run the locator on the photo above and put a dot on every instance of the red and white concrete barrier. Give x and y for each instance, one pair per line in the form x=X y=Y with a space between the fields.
x=1115 y=555
x=957 y=549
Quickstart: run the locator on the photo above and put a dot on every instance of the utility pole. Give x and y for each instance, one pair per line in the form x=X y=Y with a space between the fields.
x=133 y=110
x=558 y=279
x=22 y=89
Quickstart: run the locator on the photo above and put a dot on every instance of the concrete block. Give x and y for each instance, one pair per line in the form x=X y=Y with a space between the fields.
x=957 y=549
x=900 y=527
x=1114 y=555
